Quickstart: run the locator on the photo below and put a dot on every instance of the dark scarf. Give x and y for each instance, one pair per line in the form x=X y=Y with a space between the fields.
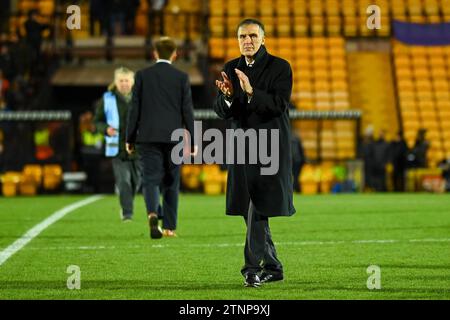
x=254 y=72
x=261 y=59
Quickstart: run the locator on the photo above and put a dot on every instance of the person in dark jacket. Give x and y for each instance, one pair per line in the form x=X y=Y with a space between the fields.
x=399 y=153
x=254 y=95
x=381 y=159
x=162 y=104
x=366 y=153
x=34 y=31
x=111 y=119
x=420 y=150
x=156 y=16
x=298 y=159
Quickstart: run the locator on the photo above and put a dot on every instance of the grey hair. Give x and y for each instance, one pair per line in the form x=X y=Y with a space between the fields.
x=246 y=22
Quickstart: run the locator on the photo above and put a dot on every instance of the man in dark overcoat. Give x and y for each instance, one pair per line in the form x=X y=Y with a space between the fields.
x=254 y=94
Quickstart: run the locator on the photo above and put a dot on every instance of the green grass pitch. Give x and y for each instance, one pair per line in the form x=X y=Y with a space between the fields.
x=326 y=249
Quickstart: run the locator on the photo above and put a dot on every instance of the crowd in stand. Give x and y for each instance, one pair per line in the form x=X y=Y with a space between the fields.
x=378 y=153
x=117 y=17
x=21 y=64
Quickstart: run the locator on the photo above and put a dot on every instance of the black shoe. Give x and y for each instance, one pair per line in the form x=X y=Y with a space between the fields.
x=127 y=219
x=155 y=229
x=270 y=277
x=252 y=280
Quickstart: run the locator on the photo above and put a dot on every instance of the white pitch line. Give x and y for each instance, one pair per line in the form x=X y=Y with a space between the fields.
x=37 y=229
x=222 y=245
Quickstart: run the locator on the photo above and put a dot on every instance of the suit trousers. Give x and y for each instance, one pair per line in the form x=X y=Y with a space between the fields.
x=160 y=176
x=127 y=175
x=259 y=252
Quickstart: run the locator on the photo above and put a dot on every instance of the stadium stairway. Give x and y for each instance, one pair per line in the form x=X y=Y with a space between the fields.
x=372 y=90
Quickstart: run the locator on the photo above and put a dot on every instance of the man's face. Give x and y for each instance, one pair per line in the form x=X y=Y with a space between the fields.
x=124 y=83
x=250 y=39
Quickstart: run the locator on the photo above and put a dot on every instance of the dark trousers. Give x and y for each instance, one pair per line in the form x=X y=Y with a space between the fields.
x=91 y=164
x=160 y=176
x=379 y=179
x=399 y=179
x=127 y=175
x=259 y=252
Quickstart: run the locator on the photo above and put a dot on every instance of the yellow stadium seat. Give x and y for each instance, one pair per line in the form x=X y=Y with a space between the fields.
x=282 y=7
x=422 y=83
x=440 y=85
x=316 y=8
x=266 y=8
x=405 y=85
x=402 y=62
x=33 y=173
x=421 y=72
x=339 y=74
x=333 y=25
x=442 y=95
x=317 y=26
x=217 y=26
x=443 y=104
x=301 y=26
x=439 y=73
x=350 y=26
x=233 y=7
x=339 y=85
x=426 y=106
x=250 y=8
x=321 y=85
x=419 y=62
x=283 y=26
x=10 y=183
x=319 y=52
x=406 y=106
x=216 y=7
x=217 y=48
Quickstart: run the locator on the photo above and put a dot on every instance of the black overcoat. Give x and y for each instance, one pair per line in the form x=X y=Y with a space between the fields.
x=271 y=79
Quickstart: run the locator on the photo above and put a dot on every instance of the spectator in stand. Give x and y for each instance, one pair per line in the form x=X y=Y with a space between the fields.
x=117 y=26
x=96 y=13
x=34 y=31
x=156 y=16
x=6 y=61
x=4 y=85
x=5 y=12
x=130 y=16
x=21 y=57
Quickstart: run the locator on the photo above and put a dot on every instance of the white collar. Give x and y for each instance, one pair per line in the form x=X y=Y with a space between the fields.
x=163 y=60
x=250 y=63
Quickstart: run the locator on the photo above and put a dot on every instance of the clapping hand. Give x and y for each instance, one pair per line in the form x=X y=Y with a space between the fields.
x=244 y=82
x=225 y=86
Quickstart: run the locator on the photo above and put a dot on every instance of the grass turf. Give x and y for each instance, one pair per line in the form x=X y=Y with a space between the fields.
x=322 y=248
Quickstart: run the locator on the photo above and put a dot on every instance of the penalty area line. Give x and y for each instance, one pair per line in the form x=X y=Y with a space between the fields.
x=37 y=229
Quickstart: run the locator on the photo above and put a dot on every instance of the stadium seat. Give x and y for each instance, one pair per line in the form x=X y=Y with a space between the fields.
x=10 y=183
x=52 y=177
x=33 y=173
x=233 y=8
